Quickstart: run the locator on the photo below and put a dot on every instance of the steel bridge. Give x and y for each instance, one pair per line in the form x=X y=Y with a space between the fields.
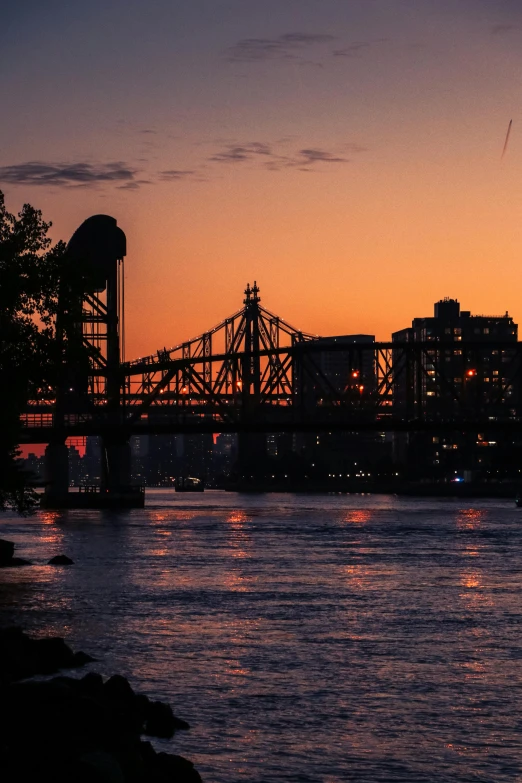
x=253 y=372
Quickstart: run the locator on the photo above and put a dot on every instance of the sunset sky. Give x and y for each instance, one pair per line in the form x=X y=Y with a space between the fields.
x=346 y=154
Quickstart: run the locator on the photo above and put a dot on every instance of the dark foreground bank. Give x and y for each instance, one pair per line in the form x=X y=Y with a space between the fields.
x=85 y=730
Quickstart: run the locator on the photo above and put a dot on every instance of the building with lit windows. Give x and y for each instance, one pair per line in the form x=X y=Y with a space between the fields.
x=446 y=380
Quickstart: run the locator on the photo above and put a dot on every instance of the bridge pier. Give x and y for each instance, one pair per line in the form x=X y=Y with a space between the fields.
x=252 y=455
x=56 y=471
x=116 y=465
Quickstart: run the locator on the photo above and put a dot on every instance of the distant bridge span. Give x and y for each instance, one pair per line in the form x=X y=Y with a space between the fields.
x=253 y=372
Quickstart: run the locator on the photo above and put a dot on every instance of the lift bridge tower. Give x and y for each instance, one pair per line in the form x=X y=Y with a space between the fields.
x=91 y=322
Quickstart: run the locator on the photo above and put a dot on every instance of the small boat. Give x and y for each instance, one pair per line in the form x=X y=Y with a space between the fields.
x=518 y=501
x=189 y=484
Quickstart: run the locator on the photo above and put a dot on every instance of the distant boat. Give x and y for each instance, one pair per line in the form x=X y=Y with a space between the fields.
x=518 y=501
x=189 y=484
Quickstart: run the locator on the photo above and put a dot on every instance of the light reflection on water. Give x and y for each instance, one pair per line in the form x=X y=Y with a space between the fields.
x=320 y=639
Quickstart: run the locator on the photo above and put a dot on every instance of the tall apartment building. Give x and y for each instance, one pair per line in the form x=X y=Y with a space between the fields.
x=447 y=380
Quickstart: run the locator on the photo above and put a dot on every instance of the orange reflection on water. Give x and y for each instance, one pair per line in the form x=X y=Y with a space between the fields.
x=473 y=595
x=237 y=518
x=49 y=517
x=239 y=539
x=54 y=534
x=470 y=518
x=358 y=576
x=236 y=582
x=473 y=670
x=358 y=516
x=471 y=581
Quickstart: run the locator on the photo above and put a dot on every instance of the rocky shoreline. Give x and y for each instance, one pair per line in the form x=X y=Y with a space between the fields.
x=78 y=730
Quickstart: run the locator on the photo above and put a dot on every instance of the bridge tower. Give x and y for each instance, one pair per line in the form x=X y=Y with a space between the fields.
x=251 y=445
x=91 y=323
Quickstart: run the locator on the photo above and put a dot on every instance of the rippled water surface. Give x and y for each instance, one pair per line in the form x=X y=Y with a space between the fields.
x=310 y=639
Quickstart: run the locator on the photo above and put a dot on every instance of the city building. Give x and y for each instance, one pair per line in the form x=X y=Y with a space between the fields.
x=350 y=373
x=446 y=380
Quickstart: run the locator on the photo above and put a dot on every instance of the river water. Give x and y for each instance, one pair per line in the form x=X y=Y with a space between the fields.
x=306 y=638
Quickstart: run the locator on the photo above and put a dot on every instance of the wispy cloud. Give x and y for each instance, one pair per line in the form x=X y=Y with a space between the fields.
x=67 y=174
x=283 y=47
x=276 y=157
x=135 y=184
x=308 y=157
x=503 y=29
x=238 y=153
x=174 y=174
x=355 y=48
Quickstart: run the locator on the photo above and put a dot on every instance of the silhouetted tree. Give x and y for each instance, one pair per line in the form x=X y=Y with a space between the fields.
x=30 y=270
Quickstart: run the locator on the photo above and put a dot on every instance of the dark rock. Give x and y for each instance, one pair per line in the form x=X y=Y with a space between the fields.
x=72 y=730
x=6 y=551
x=140 y=707
x=6 y=555
x=92 y=685
x=176 y=768
x=80 y=658
x=60 y=560
x=21 y=656
x=161 y=722
x=148 y=753
x=117 y=688
x=104 y=765
x=53 y=654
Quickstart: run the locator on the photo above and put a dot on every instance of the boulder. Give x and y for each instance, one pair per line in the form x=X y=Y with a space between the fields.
x=53 y=653
x=60 y=560
x=80 y=658
x=161 y=722
x=104 y=767
x=117 y=688
x=92 y=685
x=6 y=551
x=6 y=555
x=83 y=730
x=176 y=768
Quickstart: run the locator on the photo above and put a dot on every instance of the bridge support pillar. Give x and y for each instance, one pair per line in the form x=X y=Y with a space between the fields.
x=56 y=469
x=116 y=473
x=252 y=455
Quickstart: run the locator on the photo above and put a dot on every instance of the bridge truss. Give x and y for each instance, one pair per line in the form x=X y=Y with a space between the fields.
x=255 y=372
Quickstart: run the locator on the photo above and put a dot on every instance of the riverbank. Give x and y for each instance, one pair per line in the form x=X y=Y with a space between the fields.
x=83 y=729
x=451 y=489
